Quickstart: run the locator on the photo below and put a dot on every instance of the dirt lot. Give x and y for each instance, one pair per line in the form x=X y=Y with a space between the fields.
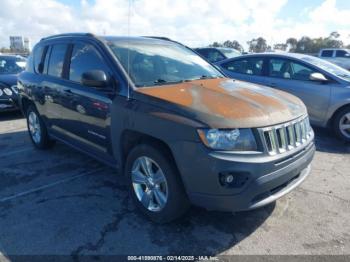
x=63 y=202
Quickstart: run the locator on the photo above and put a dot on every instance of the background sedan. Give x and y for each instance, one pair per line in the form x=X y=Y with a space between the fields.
x=323 y=87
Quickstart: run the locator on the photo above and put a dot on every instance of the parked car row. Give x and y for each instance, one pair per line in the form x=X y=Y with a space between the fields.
x=182 y=130
x=10 y=66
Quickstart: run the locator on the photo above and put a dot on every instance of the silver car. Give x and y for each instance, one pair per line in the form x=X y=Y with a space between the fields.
x=322 y=86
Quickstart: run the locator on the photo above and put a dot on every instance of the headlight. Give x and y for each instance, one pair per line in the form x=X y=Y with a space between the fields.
x=7 y=91
x=228 y=139
x=1 y=93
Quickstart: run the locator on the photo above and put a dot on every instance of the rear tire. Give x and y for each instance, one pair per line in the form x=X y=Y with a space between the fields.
x=158 y=193
x=341 y=124
x=37 y=129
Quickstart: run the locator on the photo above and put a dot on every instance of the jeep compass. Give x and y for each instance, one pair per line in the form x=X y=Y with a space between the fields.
x=180 y=131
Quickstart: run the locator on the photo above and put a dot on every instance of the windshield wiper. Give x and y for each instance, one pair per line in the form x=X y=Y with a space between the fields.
x=201 y=78
x=162 y=81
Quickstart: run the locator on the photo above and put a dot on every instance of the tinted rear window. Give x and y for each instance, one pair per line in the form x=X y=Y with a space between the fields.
x=37 y=55
x=327 y=53
x=57 y=55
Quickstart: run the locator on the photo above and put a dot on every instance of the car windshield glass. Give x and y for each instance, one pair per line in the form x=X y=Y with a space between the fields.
x=150 y=63
x=11 y=65
x=230 y=53
x=329 y=67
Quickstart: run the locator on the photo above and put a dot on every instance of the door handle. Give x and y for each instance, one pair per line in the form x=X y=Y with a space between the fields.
x=272 y=84
x=67 y=91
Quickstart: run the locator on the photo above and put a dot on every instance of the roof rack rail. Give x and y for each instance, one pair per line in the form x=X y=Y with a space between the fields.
x=160 y=37
x=67 y=35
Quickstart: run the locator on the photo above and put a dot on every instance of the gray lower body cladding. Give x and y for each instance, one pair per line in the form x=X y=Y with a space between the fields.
x=257 y=180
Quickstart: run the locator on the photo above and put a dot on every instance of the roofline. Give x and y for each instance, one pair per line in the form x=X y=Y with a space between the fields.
x=67 y=35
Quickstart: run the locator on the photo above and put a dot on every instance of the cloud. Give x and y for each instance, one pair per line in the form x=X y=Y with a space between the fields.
x=195 y=22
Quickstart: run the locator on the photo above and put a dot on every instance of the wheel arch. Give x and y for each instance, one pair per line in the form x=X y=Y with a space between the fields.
x=130 y=138
x=335 y=113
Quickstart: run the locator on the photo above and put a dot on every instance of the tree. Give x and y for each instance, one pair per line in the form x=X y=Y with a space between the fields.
x=282 y=47
x=334 y=34
x=215 y=44
x=292 y=44
x=313 y=45
x=305 y=45
x=233 y=44
x=257 y=45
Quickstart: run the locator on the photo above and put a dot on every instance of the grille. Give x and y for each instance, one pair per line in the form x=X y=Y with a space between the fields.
x=281 y=138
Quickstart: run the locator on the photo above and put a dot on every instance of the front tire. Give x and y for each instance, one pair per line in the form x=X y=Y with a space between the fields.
x=37 y=129
x=341 y=124
x=155 y=184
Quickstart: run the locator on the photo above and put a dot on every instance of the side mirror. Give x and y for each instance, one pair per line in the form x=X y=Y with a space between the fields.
x=318 y=77
x=94 y=78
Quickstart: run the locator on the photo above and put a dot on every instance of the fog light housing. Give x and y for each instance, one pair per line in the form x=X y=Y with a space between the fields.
x=233 y=179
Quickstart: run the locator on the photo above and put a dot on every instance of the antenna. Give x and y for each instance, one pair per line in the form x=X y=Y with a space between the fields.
x=128 y=45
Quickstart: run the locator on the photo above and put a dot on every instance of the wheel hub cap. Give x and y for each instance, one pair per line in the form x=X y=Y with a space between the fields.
x=344 y=125
x=34 y=127
x=149 y=184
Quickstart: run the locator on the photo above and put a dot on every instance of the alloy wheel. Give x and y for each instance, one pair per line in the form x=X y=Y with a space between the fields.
x=344 y=125
x=34 y=127
x=149 y=184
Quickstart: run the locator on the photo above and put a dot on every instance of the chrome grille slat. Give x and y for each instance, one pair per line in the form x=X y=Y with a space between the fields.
x=281 y=138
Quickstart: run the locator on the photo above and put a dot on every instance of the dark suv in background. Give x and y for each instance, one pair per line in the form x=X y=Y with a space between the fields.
x=10 y=67
x=216 y=54
x=172 y=123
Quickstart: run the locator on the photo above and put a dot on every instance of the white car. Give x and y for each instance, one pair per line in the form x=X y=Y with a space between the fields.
x=338 y=56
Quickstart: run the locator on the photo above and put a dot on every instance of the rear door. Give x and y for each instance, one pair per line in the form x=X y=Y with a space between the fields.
x=294 y=77
x=51 y=68
x=85 y=110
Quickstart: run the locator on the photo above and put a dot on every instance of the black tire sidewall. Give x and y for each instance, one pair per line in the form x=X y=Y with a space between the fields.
x=336 y=124
x=177 y=202
x=44 y=140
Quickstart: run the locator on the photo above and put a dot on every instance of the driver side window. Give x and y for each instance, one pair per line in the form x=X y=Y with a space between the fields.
x=84 y=58
x=289 y=70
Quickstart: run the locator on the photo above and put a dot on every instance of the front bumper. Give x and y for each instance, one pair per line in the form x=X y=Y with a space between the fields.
x=260 y=179
x=8 y=104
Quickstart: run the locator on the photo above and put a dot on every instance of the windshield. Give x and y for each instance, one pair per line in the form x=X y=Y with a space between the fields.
x=11 y=65
x=329 y=67
x=230 y=53
x=158 y=63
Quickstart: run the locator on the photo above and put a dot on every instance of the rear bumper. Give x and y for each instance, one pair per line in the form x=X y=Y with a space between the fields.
x=260 y=180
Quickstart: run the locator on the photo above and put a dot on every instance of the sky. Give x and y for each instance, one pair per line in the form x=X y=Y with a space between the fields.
x=193 y=22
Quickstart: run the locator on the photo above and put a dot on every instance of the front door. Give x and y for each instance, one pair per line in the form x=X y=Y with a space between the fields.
x=294 y=77
x=85 y=110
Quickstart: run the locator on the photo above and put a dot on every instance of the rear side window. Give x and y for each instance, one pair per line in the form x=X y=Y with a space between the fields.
x=38 y=53
x=85 y=58
x=30 y=64
x=342 y=53
x=248 y=66
x=56 y=61
x=327 y=53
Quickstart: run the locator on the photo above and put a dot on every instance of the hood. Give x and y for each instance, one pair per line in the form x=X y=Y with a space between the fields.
x=227 y=103
x=8 y=80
